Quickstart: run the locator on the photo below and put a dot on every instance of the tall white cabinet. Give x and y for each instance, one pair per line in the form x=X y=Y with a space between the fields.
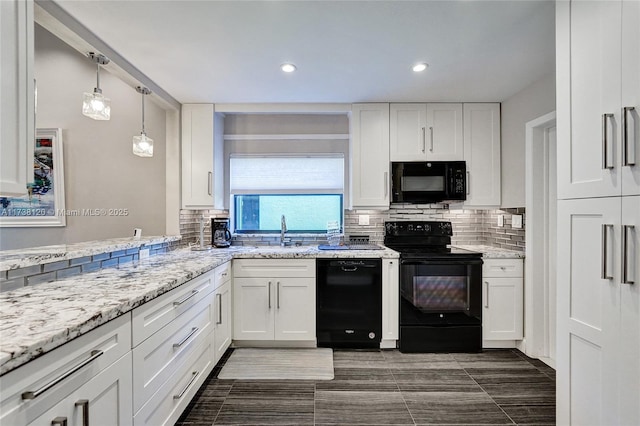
x=17 y=96
x=598 y=100
x=370 y=155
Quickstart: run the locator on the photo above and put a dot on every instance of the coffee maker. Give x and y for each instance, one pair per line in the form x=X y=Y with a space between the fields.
x=221 y=237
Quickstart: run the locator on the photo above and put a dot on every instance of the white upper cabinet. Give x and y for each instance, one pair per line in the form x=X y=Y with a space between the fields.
x=370 y=155
x=426 y=132
x=598 y=78
x=202 y=157
x=482 y=154
x=17 y=96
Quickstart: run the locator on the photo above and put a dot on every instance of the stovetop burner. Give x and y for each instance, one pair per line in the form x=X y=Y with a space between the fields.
x=425 y=239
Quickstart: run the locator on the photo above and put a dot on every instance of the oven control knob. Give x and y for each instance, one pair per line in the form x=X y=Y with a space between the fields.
x=410 y=227
x=372 y=335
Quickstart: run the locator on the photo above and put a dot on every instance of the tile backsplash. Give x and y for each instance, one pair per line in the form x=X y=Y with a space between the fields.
x=469 y=226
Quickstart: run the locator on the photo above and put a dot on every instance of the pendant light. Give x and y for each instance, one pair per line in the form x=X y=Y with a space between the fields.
x=143 y=145
x=94 y=105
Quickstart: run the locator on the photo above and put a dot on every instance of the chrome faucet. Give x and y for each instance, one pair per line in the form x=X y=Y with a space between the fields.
x=283 y=229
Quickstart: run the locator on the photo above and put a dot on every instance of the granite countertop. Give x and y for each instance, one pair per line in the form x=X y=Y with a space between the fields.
x=36 y=319
x=22 y=258
x=490 y=252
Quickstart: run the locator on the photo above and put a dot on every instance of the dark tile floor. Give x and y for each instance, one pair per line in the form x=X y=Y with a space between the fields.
x=388 y=388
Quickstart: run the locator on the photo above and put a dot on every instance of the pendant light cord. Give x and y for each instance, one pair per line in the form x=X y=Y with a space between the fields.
x=143 y=114
x=98 y=78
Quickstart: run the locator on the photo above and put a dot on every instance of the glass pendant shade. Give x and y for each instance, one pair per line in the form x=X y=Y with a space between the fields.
x=96 y=106
x=143 y=145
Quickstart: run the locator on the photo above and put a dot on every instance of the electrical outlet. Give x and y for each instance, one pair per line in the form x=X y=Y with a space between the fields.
x=144 y=253
x=516 y=221
x=363 y=219
x=501 y=220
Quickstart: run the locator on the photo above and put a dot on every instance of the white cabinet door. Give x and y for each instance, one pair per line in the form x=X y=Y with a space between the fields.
x=629 y=362
x=202 y=157
x=588 y=311
x=408 y=132
x=502 y=313
x=105 y=399
x=482 y=154
x=222 y=311
x=370 y=155
x=295 y=307
x=17 y=96
x=390 y=300
x=630 y=98
x=444 y=133
x=253 y=309
x=588 y=77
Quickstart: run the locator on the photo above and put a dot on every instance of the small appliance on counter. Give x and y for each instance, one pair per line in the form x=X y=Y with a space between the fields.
x=221 y=237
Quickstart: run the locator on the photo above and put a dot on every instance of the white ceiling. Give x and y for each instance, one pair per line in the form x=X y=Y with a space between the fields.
x=345 y=51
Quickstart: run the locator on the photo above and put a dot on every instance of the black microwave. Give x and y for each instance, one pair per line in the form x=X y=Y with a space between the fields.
x=426 y=182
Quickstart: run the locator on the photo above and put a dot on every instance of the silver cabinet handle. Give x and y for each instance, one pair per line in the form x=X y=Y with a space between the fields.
x=269 y=294
x=219 y=296
x=194 y=376
x=627 y=160
x=84 y=404
x=60 y=421
x=468 y=182
x=625 y=253
x=424 y=139
x=278 y=295
x=34 y=394
x=184 y=299
x=386 y=184
x=193 y=331
x=209 y=182
x=486 y=303
x=605 y=271
x=431 y=139
x=605 y=141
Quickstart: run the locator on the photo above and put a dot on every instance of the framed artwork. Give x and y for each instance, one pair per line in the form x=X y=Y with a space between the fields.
x=44 y=203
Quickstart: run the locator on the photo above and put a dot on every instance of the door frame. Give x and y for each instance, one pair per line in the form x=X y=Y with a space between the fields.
x=536 y=289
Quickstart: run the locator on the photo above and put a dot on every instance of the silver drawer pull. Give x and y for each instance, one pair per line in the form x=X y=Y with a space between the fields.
x=184 y=299
x=59 y=421
x=424 y=140
x=605 y=252
x=431 y=132
x=194 y=376
x=84 y=403
x=219 y=296
x=193 y=331
x=605 y=141
x=34 y=394
x=486 y=304
x=628 y=158
x=625 y=254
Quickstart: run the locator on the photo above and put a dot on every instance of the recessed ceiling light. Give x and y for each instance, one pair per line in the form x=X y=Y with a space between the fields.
x=288 y=67
x=420 y=67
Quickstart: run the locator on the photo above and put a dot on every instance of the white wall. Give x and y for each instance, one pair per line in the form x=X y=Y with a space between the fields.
x=100 y=169
x=530 y=103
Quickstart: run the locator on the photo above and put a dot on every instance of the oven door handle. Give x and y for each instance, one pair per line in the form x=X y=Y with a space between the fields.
x=431 y=262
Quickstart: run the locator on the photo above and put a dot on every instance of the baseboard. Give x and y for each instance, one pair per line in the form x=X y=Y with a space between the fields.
x=274 y=344
x=499 y=344
x=388 y=344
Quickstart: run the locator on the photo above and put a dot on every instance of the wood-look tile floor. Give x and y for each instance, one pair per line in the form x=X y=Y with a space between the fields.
x=387 y=387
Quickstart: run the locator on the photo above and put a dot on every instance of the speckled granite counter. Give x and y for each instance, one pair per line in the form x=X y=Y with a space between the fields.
x=490 y=252
x=36 y=319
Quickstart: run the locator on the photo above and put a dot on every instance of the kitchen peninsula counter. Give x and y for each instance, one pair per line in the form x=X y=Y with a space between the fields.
x=36 y=319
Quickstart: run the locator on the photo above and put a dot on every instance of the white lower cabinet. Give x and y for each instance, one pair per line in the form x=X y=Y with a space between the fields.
x=222 y=312
x=503 y=303
x=274 y=299
x=390 y=303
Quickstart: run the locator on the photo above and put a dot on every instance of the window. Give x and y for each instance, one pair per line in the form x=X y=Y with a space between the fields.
x=307 y=190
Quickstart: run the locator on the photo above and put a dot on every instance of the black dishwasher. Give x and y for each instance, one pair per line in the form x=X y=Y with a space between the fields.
x=349 y=303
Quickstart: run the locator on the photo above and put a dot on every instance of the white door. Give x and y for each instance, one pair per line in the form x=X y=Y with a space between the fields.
x=370 y=160
x=253 y=308
x=502 y=313
x=629 y=365
x=444 y=137
x=390 y=299
x=482 y=154
x=408 y=128
x=197 y=155
x=295 y=307
x=631 y=97
x=589 y=63
x=588 y=311
x=222 y=320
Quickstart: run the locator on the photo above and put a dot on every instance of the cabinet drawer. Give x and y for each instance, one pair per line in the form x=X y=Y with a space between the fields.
x=103 y=346
x=222 y=274
x=156 y=358
x=166 y=406
x=502 y=268
x=257 y=268
x=152 y=316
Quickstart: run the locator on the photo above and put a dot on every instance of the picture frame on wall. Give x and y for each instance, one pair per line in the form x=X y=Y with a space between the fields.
x=44 y=203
